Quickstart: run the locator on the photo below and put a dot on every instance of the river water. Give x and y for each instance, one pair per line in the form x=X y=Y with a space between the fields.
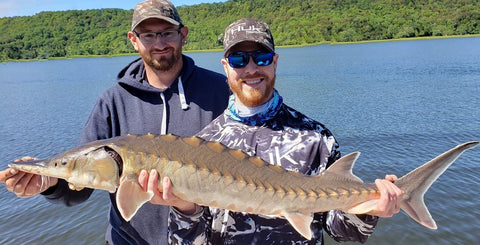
x=399 y=103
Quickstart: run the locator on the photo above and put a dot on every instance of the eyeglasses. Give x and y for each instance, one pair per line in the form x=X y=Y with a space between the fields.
x=241 y=59
x=151 y=37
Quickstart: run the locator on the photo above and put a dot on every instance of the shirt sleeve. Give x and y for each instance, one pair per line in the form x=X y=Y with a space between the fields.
x=349 y=227
x=99 y=124
x=189 y=229
x=62 y=194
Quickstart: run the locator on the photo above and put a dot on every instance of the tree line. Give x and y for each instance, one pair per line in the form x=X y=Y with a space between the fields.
x=293 y=22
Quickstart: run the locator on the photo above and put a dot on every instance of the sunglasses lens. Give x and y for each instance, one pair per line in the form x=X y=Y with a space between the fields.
x=238 y=59
x=241 y=59
x=263 y=59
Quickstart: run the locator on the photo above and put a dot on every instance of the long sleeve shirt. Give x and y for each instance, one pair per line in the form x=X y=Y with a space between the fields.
x=288 y=139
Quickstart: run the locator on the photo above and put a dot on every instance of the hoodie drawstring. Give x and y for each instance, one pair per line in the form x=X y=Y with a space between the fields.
x=183 y=103
x=181 y=94
x=163 y=129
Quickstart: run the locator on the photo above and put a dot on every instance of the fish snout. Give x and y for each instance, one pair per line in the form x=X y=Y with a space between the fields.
x=33 y=166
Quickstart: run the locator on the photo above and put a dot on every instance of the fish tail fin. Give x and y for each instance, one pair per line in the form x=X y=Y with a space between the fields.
x=416 y=183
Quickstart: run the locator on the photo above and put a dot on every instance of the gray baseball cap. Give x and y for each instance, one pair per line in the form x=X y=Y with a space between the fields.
x=248 y=30
x=159 y=9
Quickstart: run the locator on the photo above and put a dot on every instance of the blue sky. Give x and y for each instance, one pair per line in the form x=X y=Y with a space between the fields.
x=9 y=8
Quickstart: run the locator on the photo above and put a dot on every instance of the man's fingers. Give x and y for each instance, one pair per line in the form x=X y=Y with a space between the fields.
x=22 y=184
x=163 y=194
x=7 y=174
x=391 y=177
x=143 y=180
x=167 y=189
x=384 y=196
x=12 y=181
x=31 y=185
x=153 y=182
x=10 y=172
x=388 y=204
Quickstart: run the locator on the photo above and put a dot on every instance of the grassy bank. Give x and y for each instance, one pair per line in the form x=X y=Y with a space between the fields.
x=282 y=46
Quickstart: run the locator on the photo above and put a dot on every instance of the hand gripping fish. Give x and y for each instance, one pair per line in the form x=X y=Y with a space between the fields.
x=210 y=174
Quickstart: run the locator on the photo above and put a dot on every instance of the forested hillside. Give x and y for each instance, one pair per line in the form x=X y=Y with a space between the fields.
x=293 y=22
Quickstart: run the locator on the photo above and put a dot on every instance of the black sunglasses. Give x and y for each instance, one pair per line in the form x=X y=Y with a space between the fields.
x=241 y=59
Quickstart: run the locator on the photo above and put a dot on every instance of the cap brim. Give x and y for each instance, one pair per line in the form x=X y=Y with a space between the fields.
x=169 y=20
x=247 y=40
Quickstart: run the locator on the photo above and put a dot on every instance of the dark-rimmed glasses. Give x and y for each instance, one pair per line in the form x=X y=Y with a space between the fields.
x=151 y=37
x=241 y=59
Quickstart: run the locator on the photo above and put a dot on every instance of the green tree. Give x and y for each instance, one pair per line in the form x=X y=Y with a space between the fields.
x=293 y=22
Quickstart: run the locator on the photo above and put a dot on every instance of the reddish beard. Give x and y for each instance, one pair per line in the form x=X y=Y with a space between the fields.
x=253 y=97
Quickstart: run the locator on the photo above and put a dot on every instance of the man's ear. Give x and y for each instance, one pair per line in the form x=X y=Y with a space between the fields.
x=133 y=40
x=225 y=65
x=275 y=62
x=184 y=32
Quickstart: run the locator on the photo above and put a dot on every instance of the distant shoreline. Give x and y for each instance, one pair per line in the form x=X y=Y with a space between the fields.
x=286 y=46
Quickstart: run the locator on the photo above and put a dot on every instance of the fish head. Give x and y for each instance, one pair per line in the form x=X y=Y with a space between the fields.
x=92 y=167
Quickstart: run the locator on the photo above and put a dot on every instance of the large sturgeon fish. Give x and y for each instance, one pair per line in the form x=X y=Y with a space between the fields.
x=210 y=174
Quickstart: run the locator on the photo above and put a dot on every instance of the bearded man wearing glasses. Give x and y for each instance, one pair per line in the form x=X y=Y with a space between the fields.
x=161 y=92
x=258 y=122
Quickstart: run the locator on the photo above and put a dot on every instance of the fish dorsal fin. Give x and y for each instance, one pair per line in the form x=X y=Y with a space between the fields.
x=301 y=223
x=130 y=196
x=343 y=167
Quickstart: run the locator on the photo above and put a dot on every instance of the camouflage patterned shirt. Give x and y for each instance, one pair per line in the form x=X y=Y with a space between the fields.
x=288 y=139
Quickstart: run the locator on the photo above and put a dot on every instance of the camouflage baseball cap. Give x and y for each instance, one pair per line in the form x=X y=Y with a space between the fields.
x=160 y=9
x=248 y=30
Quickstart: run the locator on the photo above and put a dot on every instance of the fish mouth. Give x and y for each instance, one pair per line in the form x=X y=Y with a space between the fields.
x=116 y=157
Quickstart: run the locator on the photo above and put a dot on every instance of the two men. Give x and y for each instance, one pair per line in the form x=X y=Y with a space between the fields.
x=164 y=92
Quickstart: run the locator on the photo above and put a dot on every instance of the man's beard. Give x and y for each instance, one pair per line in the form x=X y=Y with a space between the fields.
x=164 y=63
x=254 y=97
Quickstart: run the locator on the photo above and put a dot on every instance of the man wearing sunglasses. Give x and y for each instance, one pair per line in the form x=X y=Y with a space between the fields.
x=259 y=123
x=161 y=92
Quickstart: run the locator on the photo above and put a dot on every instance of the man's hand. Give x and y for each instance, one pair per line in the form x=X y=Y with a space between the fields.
x=164 y=196
x=390 y=197
x=25 y=184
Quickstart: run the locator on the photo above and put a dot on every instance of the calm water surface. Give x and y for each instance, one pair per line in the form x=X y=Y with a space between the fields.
x=399 y=103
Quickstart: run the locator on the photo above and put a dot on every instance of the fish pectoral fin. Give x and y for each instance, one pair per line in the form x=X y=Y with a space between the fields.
x=130 y=197
x=301 y=223
x=363 y=207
